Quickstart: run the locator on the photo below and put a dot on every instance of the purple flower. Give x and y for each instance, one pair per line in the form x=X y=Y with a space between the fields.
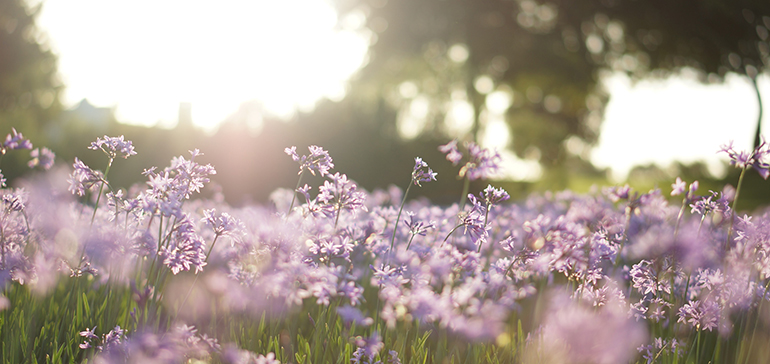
x=713 y=203
x=16 y=141
x=89 y=333
x=473 y=221
x=418 y=227
x=185 y=249
x=189 y=175
x=494 y=196
x=421 y=172
x=452 y=154
x=114 y=146
x=42 y=157
x=340 y=194
x=619 y=193
x=223 y=224
x=268 y=359
x=660 y=345
x=317 y=161
x=312 y=207
x=352 y=314
x=112 y=338
x=393 y=357
x=700 y=315
x=83 y=178
x=647 y=281
x=483 y=163
x=755 y=158
x=370 y=346
x=577 y=333
x=170 y=187
x=678 y=187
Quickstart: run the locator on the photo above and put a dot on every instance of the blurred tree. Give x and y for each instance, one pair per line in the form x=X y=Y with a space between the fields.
x=29 y=85
x=452 y=67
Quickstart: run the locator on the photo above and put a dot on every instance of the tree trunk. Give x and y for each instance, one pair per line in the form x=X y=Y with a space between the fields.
x=757 y=134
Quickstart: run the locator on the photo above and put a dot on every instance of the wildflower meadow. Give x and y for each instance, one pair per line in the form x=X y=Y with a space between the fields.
x=332 y=273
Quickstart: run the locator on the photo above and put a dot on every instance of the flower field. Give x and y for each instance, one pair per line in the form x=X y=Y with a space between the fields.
x=335 y=274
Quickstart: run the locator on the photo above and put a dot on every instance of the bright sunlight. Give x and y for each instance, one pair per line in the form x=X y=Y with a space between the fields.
x=146 y=57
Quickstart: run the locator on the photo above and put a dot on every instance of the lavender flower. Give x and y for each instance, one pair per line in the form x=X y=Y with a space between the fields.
x=340 y=194
x=318 y=161
x=699 y=314
x=678 y=187
x=713 y=203
x=755 y=158
x=452 y=153
x=494 y=196
x=421 y=172
x=42 y=157
x=222 y=223
x=659 y=346
x=393 y=357
x=114 y=146
x=176 y=183
x=474 y=223
x=15 y=141
x=646 y=280
x=574 y=333
x=185 y=249
x=483 y=163
x=354 y=315
x=418 y=227
x=369 y=347
x=266 y=359
x=89 y=333
x=83 y=178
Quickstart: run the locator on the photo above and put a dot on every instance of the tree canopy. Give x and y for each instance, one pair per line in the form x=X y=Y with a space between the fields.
x=546 y=57
x=29 y=85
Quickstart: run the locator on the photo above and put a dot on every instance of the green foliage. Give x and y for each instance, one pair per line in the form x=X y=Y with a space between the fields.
x=29 y=84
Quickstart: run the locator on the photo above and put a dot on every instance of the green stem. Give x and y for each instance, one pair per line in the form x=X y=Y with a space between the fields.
x=398 y=217
x=464 y=196
x=735 y=206
x=294 y=193
x=450 y=233
x=101 y=188
x=679 y=218
x=410 y=242
x=208 y=254
x=759 y=313
x=211 y=248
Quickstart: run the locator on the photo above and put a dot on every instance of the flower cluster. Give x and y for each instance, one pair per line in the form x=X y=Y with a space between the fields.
x=83 y=178
x=42 y=157
x=318 y=161
x=591 y=265
x=482 y=163
x=114 y=146
x=421 y=172
x=755 y=159
x=15 y=141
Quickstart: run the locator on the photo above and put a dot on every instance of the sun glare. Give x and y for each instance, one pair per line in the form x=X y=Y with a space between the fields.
x=146 y=57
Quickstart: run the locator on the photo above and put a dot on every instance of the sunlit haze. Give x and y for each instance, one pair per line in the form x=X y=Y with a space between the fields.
x=146 y=57
x=658 y=121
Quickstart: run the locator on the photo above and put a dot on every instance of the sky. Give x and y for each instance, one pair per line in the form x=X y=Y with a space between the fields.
x=145 y=57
